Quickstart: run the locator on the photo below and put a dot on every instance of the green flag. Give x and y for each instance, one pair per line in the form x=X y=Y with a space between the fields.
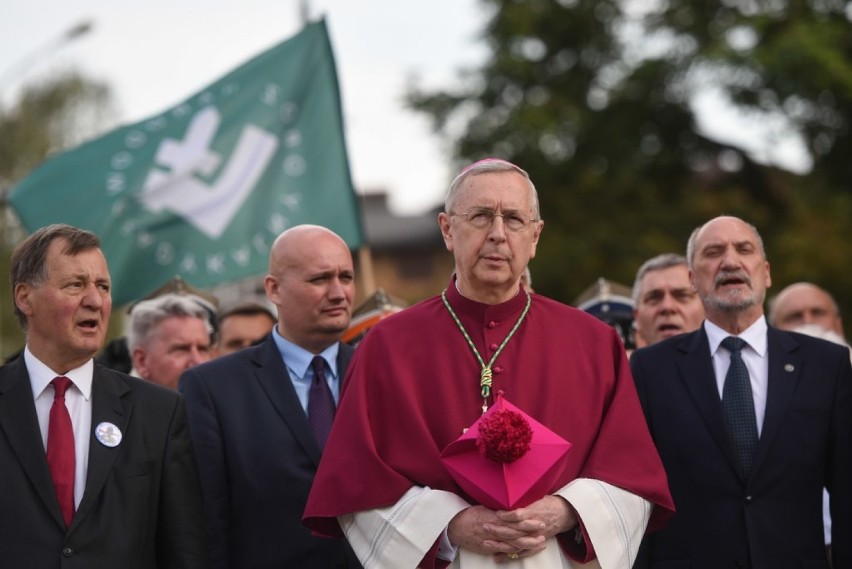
x=203 y=189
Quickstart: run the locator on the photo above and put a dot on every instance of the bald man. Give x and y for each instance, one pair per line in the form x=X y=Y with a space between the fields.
x=254 y=414
x=805 y=303
x=751 y=422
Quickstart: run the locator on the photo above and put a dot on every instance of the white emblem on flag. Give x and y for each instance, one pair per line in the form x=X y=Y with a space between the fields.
x=210 y=208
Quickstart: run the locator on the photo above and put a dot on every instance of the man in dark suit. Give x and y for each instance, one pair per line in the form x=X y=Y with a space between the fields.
x=106 y=477
x=254 y=414
x=751 y=422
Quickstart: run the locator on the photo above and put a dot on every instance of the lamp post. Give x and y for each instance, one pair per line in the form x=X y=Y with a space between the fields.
x=29 y=60
x=8 y=78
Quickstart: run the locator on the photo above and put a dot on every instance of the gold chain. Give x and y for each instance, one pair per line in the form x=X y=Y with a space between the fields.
x=486 y=375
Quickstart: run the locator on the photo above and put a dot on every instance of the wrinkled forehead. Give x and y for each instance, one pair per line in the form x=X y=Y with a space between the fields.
x=505 y=189
x=676 y=276
x=725 y=231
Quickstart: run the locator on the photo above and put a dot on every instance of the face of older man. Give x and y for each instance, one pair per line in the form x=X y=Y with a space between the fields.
x=803 y=303
x=491 y=253
x=176 y=344
x=667 y=305
x=729 y=270
x=67 y=315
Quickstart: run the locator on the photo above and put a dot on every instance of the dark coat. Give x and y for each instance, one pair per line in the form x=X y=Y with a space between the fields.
x=773 y=519
x=258 y=457
x=141 y=508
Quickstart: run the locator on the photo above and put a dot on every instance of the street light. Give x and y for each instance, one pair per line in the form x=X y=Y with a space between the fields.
x=8 y=78
x=25 y=63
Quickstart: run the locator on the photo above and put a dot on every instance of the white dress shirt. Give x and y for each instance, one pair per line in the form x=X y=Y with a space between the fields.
x=78 y=400
x=754 y=355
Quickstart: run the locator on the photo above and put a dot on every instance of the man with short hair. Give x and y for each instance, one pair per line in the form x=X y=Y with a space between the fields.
x=809 y=309
x=664 y=302
x=423 y=376
x=242 y=325
x=167 y=335
x=751 y=422
x=97 y=466
x=805 y=303
x=260 y=416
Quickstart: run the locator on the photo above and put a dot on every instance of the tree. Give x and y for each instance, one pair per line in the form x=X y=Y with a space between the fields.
x=596 y=99
x=48 y=117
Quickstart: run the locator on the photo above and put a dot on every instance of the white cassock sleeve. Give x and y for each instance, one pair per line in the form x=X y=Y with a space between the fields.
x=400 y=535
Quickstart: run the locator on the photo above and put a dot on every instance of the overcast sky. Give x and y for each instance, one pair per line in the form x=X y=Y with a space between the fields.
x=154 y=53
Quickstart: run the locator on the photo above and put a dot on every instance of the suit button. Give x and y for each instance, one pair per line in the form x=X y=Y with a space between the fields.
x=748 y=499
x=492 y=324
x=67 y=551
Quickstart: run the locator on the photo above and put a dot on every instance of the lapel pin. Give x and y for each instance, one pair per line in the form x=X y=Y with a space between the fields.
x=789 y=367
x=108 y=434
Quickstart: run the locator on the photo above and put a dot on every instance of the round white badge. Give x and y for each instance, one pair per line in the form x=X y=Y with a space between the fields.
x=108 y=434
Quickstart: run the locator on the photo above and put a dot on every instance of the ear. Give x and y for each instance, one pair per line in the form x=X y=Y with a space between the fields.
x=140 y=362
x=536 y=229
x=271 y=286
x=23 y=298
x=446 y=230
x=768 y=276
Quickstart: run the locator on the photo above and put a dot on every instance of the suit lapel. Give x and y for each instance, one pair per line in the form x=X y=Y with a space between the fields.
x=109 y=405
x=344 y=356
x=696 y=371
x=274 y=379
x=19 y=422
x=785 y=364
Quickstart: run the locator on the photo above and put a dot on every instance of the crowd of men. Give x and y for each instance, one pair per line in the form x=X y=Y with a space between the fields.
x=256 y=438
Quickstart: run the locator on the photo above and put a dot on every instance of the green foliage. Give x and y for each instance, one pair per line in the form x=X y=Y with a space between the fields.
x=595 y=98
x=48 y=117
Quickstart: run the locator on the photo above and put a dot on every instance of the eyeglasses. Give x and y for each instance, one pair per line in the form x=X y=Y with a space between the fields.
x=482 y=218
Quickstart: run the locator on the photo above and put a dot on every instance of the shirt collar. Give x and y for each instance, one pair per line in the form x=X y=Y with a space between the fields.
x=299 y=359
x=754 y=336
x=41 y=375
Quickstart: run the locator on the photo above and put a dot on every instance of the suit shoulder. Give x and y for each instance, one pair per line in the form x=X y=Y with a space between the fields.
x=666 y=348
x=142 y=390
x=812 y=344
x=229 y=364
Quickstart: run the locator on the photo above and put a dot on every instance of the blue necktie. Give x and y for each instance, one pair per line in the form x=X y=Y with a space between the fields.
x=320 y=403
x=738 y=405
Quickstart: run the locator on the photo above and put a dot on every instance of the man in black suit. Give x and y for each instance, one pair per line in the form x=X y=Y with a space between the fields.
x=746 y=468
x=252 y=413
x=105 y=478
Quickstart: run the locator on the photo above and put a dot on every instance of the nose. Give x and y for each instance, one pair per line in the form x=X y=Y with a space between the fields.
x=497 y=231
x=730 y=259
x=93 y=296
x=336 y=289
x=668 y=304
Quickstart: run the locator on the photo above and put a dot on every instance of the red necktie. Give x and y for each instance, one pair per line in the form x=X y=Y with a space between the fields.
x=320 y=403
x=60 y=449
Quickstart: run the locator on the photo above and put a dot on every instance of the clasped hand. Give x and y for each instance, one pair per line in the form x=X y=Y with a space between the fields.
x=522 y=531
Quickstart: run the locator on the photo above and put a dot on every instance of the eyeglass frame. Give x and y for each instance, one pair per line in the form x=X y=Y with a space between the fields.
x=493 y=215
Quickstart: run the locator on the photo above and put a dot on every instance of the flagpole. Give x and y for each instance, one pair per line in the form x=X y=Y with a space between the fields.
x=365 y=270
x=305 y=11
